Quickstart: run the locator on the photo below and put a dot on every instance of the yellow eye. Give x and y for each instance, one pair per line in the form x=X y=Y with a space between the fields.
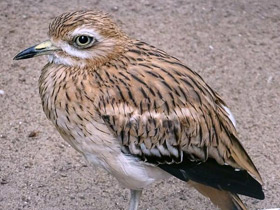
x=84 y=41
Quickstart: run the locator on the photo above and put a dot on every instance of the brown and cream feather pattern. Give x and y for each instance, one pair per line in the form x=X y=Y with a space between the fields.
x=142 y=114
x=161 y=109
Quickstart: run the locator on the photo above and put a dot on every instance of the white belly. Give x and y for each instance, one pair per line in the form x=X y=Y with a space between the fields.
x=130 y=172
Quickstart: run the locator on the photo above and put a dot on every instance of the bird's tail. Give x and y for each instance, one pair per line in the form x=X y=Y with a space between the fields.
x=222 y=199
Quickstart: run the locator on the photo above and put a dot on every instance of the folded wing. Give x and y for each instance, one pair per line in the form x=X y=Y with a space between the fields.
x=164 y=114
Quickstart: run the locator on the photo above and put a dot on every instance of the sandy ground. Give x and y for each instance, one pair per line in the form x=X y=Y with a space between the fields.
x=234 y=45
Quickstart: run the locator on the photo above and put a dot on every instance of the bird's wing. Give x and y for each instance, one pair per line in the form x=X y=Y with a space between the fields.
x=165 y=114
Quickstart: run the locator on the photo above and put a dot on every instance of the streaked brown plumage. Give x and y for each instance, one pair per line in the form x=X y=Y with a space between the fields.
x=140 y=113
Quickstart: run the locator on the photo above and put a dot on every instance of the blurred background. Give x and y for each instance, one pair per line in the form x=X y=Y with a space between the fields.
x=233 y=45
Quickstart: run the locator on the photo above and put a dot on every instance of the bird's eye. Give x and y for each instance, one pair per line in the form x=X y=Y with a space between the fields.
x=84 y=41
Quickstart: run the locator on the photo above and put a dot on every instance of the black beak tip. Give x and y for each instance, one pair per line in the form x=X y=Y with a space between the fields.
x=21 y=56
x=16 y=58
x=28 y=53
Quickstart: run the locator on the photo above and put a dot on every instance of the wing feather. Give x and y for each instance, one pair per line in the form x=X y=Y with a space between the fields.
x=164 y=113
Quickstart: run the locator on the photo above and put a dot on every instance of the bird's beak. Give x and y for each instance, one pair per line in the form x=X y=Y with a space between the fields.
x=44 y=48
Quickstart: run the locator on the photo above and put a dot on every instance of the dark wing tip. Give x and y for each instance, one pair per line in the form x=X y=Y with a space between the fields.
x=221 y=177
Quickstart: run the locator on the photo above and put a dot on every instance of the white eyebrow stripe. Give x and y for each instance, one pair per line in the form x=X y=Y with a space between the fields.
x=84 y=54
x=83 y=30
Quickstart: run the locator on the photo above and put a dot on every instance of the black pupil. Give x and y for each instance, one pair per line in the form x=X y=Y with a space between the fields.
x=83 y=39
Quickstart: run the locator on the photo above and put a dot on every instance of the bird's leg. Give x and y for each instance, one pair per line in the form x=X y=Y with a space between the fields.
x=134 y=199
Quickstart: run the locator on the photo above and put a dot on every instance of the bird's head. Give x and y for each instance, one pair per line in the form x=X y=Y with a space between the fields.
x=79 y=39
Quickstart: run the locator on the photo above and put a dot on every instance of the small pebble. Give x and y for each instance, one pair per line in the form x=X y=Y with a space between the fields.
x=115 y=8
x=33 y=134
x=269 y=79
x=3 y=181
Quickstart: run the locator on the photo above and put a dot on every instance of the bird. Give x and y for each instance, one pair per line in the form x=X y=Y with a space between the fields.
x=140 y=113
